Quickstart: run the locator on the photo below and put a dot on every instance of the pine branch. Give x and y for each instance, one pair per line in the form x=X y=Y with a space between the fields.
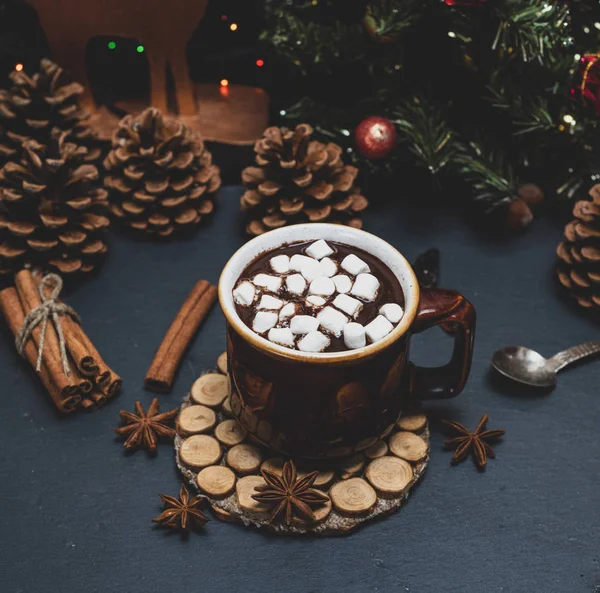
x=390 y=17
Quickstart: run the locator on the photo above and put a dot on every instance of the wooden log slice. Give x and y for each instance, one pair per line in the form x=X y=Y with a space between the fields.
x=226 y=407
x=389 y=475
x=200 y=451
x=244 y=458
x=378 y=449
x=210 y=390
x=230 y=432
x=236 y=404
x=321 y=513
x=224 y=515
x=353 y=497
x=408 y=445
x=195 y=420
x=412 y=422
x=273 y=464
x=351 y=466
x=216 y=480
x=244 y=489
x=366 y=443
x=222 y=363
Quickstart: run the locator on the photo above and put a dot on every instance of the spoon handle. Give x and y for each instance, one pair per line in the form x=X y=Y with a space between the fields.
x=567 y=357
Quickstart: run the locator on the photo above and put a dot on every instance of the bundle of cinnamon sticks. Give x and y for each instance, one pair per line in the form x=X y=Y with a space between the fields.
x=90 y=382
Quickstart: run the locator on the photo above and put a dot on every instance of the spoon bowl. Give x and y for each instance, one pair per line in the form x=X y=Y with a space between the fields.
x=525 y=366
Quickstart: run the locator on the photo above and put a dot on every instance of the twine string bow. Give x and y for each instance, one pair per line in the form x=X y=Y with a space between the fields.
x=49 y=309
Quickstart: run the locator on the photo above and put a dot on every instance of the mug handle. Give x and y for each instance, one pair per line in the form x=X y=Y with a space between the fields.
x=440 y=306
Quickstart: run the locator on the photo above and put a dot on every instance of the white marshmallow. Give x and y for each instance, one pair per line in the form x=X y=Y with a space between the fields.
x=314 y=342
x=354 y=336
x=343 y=284
x=282 y=336
x=269 y=302
x=296 y=284
x=322 y=286
x=378 y=328
x=297 y=260
x=332 y=320
x=311 y=269
x=354 y=265
x=365 y=287
x=264 y=321
x=328 y=267
x=303 y=324
x=244 y=293
x=347 y=304
x=287 y=311
x=315 y=301
x=280 y=264
x=392 y=312
x=319 y=249
x=271 y=283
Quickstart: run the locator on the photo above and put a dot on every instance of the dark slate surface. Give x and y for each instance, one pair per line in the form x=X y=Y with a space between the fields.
x=76 y=510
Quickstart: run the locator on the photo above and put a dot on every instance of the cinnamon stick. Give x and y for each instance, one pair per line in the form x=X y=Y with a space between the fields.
x=27 y=289
x=12 y=309
x=168 y=357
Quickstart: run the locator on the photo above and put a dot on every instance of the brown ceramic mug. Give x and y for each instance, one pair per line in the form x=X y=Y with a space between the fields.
x=319 y=405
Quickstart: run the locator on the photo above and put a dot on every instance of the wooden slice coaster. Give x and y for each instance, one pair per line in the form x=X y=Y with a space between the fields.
x=200 y=450
x=210 y=389
x=216 y=480
x=226 y=407
x=224 y=515
x=195 y=419
x=412 y=422
x=244 y=459
x=351 y=466
x=244 y=489
x=389 y=475
x=222 y=363
x=408 y=446
x=353 y=497
x=230 y=432
x=321 y=513
x=378 y=449
x=273 y=464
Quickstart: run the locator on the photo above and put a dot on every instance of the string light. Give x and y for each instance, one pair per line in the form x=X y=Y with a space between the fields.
x=112 y=45
x=18 y=67
x=233 y=26
x=568 y=119
x=224 y=82
x=260 y=63
x=140 y=49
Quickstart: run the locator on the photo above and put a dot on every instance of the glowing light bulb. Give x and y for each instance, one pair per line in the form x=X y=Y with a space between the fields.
x=112 y=45
x=260 y=63
x=233 y=26
x=224 y=82
x=19 y=67
x=568 y=119
x=140 y=49
x=451 y=34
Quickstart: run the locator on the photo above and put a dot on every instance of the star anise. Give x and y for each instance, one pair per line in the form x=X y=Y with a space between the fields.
x=144 y=428
x=475 y=442
x=292 y=495
x=180 y=513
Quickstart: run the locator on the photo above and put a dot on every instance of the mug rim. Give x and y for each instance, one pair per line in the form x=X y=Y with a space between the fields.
x=248 y=253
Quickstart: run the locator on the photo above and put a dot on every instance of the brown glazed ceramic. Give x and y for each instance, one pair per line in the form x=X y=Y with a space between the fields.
x=331 y=404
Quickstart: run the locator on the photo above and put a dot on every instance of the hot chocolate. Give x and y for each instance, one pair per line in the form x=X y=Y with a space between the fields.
x=319 y=296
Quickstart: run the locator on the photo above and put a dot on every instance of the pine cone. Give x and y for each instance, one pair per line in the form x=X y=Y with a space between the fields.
x=51 y=209
x=33 y=107
x=579 y=253
x=159 y=175
x=299 y=180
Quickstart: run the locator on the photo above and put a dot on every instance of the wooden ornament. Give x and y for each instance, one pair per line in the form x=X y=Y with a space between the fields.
x=216 y=480
x=351 y=466
x=412 y=422
x=245 y=488
x=230 y=432
x=378 y=449
x=210 y=390
x=353 y=497
x=244 y=458
x=195 y=420
x=200 y=451
x=222 y=363
x=408 y=446
x=389 y=475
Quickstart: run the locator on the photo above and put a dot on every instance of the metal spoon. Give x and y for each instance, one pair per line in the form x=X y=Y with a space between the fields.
x=527 y=366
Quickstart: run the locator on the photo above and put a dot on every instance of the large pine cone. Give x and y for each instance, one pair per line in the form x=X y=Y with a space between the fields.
x=299 y=180
x=51 y=209
x=34 y=106
x=159 y=174
x=579 y=253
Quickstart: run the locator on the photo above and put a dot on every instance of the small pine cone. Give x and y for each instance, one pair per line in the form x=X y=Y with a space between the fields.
x=160 y=176
x=299 y=180
x=52 y=209
x=579 y=253
x=35 y=106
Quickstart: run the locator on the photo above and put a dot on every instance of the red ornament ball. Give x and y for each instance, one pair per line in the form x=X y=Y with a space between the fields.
x=375 y=137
